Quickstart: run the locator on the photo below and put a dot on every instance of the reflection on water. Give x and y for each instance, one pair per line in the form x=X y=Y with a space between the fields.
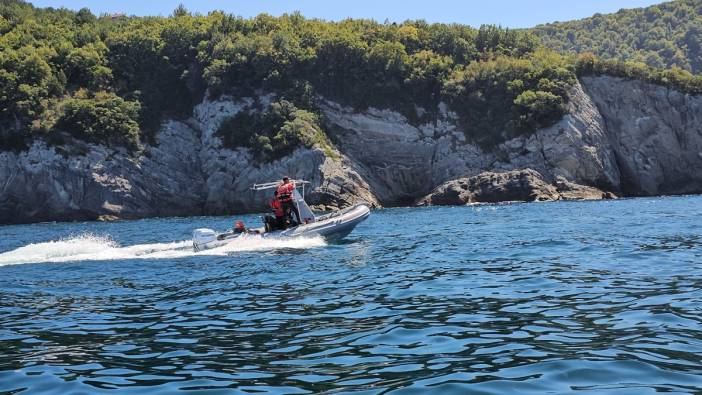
x=591 y=297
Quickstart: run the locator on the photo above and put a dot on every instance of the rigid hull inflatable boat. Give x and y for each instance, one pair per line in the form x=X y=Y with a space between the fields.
x=334 y=225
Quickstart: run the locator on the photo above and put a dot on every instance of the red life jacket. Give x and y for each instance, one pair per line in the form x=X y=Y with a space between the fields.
x=285 y=192
x=277 y=208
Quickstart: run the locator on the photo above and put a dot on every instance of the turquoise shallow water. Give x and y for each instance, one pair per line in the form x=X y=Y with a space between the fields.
x=565 y=297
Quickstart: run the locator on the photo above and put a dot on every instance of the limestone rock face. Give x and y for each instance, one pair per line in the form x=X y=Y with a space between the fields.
x=655 y=133
x=620 y=137
x=402 y=162
x=576 y=148
x=187 y=172
x=390 y=153
x=229 y=174
x=92 y=182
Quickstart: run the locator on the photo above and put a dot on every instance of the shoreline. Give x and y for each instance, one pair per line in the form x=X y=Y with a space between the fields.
x=114 y=219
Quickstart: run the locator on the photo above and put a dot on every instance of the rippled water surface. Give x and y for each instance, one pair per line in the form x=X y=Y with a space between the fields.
x=584 y=297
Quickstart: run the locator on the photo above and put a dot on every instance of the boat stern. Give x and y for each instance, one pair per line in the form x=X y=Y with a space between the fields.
x=203 y=236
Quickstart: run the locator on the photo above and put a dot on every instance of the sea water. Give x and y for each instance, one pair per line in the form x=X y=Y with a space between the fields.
x=565 y=297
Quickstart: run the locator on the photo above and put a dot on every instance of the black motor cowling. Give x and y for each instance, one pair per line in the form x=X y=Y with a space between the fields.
x=269 y=223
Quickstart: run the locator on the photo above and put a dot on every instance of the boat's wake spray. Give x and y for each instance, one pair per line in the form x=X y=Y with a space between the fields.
x=88 y=247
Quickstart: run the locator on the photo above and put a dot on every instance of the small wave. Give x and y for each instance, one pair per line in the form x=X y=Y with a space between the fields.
x=89 y=247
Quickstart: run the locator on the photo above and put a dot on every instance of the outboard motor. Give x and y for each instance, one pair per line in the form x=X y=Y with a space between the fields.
x=268 y=223
x=203 y=236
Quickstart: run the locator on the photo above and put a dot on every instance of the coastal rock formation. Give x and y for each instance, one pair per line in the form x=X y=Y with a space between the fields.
x=490 y=187
x=229 y=174
x=403 y=162
x=571 y=191
x=620 y=137
x=187 y=172
x=82 y=181
x=515 y=185
x=655 y=133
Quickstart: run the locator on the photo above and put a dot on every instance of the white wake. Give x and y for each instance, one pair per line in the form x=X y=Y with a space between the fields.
x=101 y=248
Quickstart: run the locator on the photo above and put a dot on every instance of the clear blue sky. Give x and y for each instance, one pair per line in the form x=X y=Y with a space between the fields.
x=508 y=13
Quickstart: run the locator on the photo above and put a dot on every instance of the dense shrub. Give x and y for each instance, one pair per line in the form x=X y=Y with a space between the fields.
x=104 y=118
x=682 y=80
x=275 y=132
x=504 y=97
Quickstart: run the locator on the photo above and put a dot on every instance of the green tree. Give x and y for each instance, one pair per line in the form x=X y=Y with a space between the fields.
x=84 y=16
x=539 y=109
x=103 y=118
x=663 y=35
x=427 y=71
x=180 y=11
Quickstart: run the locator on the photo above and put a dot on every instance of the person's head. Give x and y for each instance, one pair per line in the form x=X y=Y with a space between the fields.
x=285 y=180
x=239 y=224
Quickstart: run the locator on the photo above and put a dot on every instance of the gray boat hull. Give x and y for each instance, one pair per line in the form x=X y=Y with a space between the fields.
x=332 y=226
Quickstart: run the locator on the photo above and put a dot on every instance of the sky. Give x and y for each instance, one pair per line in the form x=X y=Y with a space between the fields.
x=507 y=13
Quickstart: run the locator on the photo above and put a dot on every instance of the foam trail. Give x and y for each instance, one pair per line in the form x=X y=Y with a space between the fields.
x=258 y=243
x=101 y=248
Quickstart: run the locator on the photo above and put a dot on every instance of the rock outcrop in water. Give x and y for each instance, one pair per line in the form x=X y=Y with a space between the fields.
x=515 y=185
x=490 y=187
x=620 y=137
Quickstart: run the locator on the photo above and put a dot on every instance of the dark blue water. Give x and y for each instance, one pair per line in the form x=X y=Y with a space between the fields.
x=567 y=297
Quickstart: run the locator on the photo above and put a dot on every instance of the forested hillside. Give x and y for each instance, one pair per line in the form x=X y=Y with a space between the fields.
x=114 y=79
x=664 y=35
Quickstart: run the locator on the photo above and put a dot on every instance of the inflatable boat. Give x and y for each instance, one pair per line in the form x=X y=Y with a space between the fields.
x=334 y=225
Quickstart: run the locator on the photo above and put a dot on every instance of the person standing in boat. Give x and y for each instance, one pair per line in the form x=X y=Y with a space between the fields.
x=285 y=196
x=278 y=211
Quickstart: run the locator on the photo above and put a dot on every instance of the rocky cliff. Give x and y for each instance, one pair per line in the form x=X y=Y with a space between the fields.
x=402 y=162
x=186 y=172
x=655 y=134
x=624 y=137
